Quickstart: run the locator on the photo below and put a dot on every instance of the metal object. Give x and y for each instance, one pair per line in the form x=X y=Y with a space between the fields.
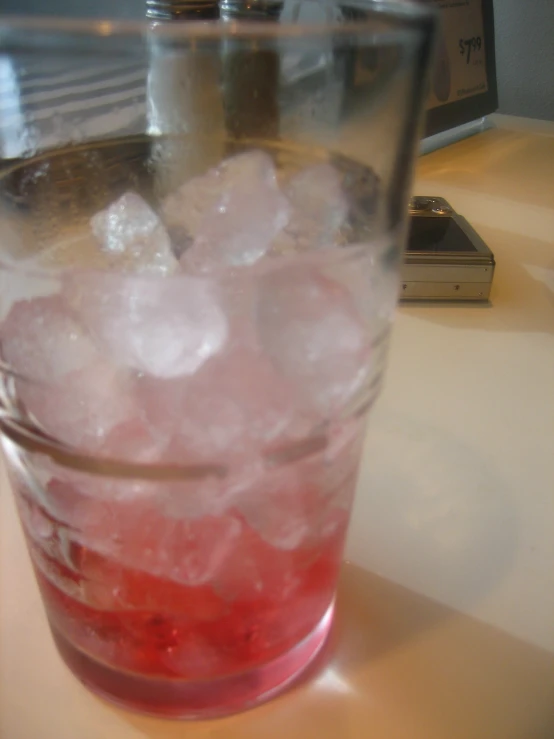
x=167 y=10
x=445 y=258
x=429 y=207
x=253 y=10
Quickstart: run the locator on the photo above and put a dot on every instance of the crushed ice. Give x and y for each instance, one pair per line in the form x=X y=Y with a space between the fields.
x=191 y=369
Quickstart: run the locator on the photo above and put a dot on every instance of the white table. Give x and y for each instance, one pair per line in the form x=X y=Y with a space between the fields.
x=454 y=637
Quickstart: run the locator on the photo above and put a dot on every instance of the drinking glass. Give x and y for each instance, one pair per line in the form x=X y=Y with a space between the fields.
x=201 y=226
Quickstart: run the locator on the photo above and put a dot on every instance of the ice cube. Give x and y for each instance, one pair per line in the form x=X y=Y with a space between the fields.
x=24 y=283
x=186 y=209
x=285 y=505
x=83 y=408
x=130 y=442
x=309 y=327
x=200 y=492
x=195 y=549
x=163 y=327
x=195 y=657
x=239 y=402
x=275 y=508
x=135 y=441
x=134 y=237
x=318 y=209
x=299 y=503
x=65 y=383
x=197 y=498
x=41 y=340
x=236 y=404
x=254 y=570
x=107 y=585
x=233 y=212
x=138 y=536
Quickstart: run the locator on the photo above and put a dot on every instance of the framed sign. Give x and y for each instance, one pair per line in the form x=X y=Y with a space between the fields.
x=463 y=80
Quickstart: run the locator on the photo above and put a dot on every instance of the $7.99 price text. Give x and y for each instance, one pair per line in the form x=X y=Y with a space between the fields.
x=469 y=46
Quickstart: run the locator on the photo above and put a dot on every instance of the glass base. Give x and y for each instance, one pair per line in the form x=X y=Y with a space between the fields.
x=194 y=700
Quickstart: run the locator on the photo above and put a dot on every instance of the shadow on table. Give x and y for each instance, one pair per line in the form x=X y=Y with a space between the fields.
x=431 y=511
x=398 y=666
x=373 y=618
x=390 y=646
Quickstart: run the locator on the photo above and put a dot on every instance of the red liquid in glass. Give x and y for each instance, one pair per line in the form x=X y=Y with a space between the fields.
x=161 y=647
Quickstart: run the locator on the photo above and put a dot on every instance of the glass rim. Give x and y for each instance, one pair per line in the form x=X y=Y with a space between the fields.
x=411 y=17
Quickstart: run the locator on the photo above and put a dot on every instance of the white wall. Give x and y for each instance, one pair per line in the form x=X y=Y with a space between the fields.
x=525 y=57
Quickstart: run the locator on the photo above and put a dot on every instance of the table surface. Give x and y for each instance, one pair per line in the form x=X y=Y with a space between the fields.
x=445 y=624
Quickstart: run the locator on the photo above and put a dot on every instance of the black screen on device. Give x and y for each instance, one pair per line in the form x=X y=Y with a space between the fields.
x=437 y=235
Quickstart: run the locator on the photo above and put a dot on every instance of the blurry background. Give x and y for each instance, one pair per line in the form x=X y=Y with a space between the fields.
x=524 y=45
x=524 y=31
x=93 y=8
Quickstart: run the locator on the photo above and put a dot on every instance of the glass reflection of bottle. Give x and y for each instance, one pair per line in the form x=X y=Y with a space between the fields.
x=184 y=104
x=251 y=76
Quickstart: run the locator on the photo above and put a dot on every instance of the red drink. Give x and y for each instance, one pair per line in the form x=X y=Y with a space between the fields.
x=255 y=618
x=188 y=544
x=189 y=431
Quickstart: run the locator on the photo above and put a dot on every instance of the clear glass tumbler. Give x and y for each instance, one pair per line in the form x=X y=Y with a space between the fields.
x=201 y=226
